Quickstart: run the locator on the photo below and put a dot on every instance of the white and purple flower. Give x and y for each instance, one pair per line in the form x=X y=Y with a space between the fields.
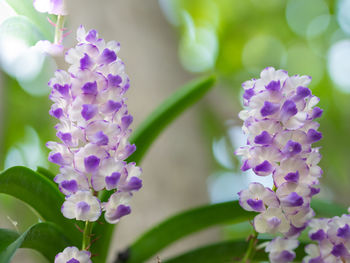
x=73 y=255
x=55 y=7
x=279 y=121
x=94 y=129
x=333 y=240
x=281 y=250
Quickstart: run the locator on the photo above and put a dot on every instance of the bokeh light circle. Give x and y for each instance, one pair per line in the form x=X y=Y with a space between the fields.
x=303 y=14
x=339 y=64
x=262 y=51
x=343 y=15
x=303 y=61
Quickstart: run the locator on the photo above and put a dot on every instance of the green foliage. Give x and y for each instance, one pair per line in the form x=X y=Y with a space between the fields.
x=26 y=8
x=227 y=251
x=45 y=172
x=164 y=114
x=41 y=194
x=46 y=238
x=184 y=224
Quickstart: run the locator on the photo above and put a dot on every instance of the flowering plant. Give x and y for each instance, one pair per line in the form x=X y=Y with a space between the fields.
x=99 y=161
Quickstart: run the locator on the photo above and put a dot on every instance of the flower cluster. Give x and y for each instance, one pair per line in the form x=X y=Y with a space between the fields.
x=279 y=122
x=94 y=129
x=333 y=240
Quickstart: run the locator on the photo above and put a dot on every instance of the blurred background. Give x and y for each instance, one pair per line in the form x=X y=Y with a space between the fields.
x=166 y=43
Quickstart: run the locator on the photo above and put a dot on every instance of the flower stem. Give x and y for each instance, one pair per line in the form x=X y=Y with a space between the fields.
x=249 y=254
x=58 y=30
x=87 y=235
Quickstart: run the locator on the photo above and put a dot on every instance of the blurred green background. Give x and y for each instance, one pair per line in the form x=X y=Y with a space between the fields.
x=168 y=42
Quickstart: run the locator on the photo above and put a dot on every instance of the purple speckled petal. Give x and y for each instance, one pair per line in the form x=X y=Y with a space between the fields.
x=256 y=205
x=134 y=184
x=65 y=137
x=292 y=148
x=316 y=113
x=248 y=93
x=82 y=208
x=112 y=180
x=64 y=90
x=122 y=210
x=126 y=121
x=100 y=138
x=90 y=88
x=70 y=185
x=89 y=111
x=57 y=113
x=289 y=109
x=86 y=62
x=107 y=56
x=91 y=163
x=302 y=92
x=339 y=250
x=292 y=177
x=318 y=235
x=344 y=232
x=73 y=260
x=91 y=36
x=313 y=136
x=269 y=108
x=56 y=158
x=292 y=200
x=114 y=80
x=274 y=222
x=274 y=85
x=245 y=166
x=285 y=256
x=265 y=166
x=263 y=138
x=113 y=105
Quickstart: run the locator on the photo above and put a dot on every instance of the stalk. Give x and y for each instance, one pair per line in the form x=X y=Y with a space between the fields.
x=251 y=248
x=58 y=30
x=87 y=235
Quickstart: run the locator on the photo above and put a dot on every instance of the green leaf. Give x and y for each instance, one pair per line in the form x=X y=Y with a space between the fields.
x=26 y=8
x=327 y=209
x=227 y=251
x=7 y=237
x=171 y=108
x=43 y=171
x=184 y=224
x=143 y=137
x=46 y=238
x=40 y=193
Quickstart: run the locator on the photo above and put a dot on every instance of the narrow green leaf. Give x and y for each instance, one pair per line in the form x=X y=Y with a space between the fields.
x=40 y=193
x=46 y=238
x=184 y=224
x=164 y=114
x=7 y=237
x=327 y=209
x=228 y=251
x=26 y=8
x=43 y=171
x=143 y=137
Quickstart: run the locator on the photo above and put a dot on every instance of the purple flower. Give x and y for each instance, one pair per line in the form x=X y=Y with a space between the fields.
x=94 y=129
